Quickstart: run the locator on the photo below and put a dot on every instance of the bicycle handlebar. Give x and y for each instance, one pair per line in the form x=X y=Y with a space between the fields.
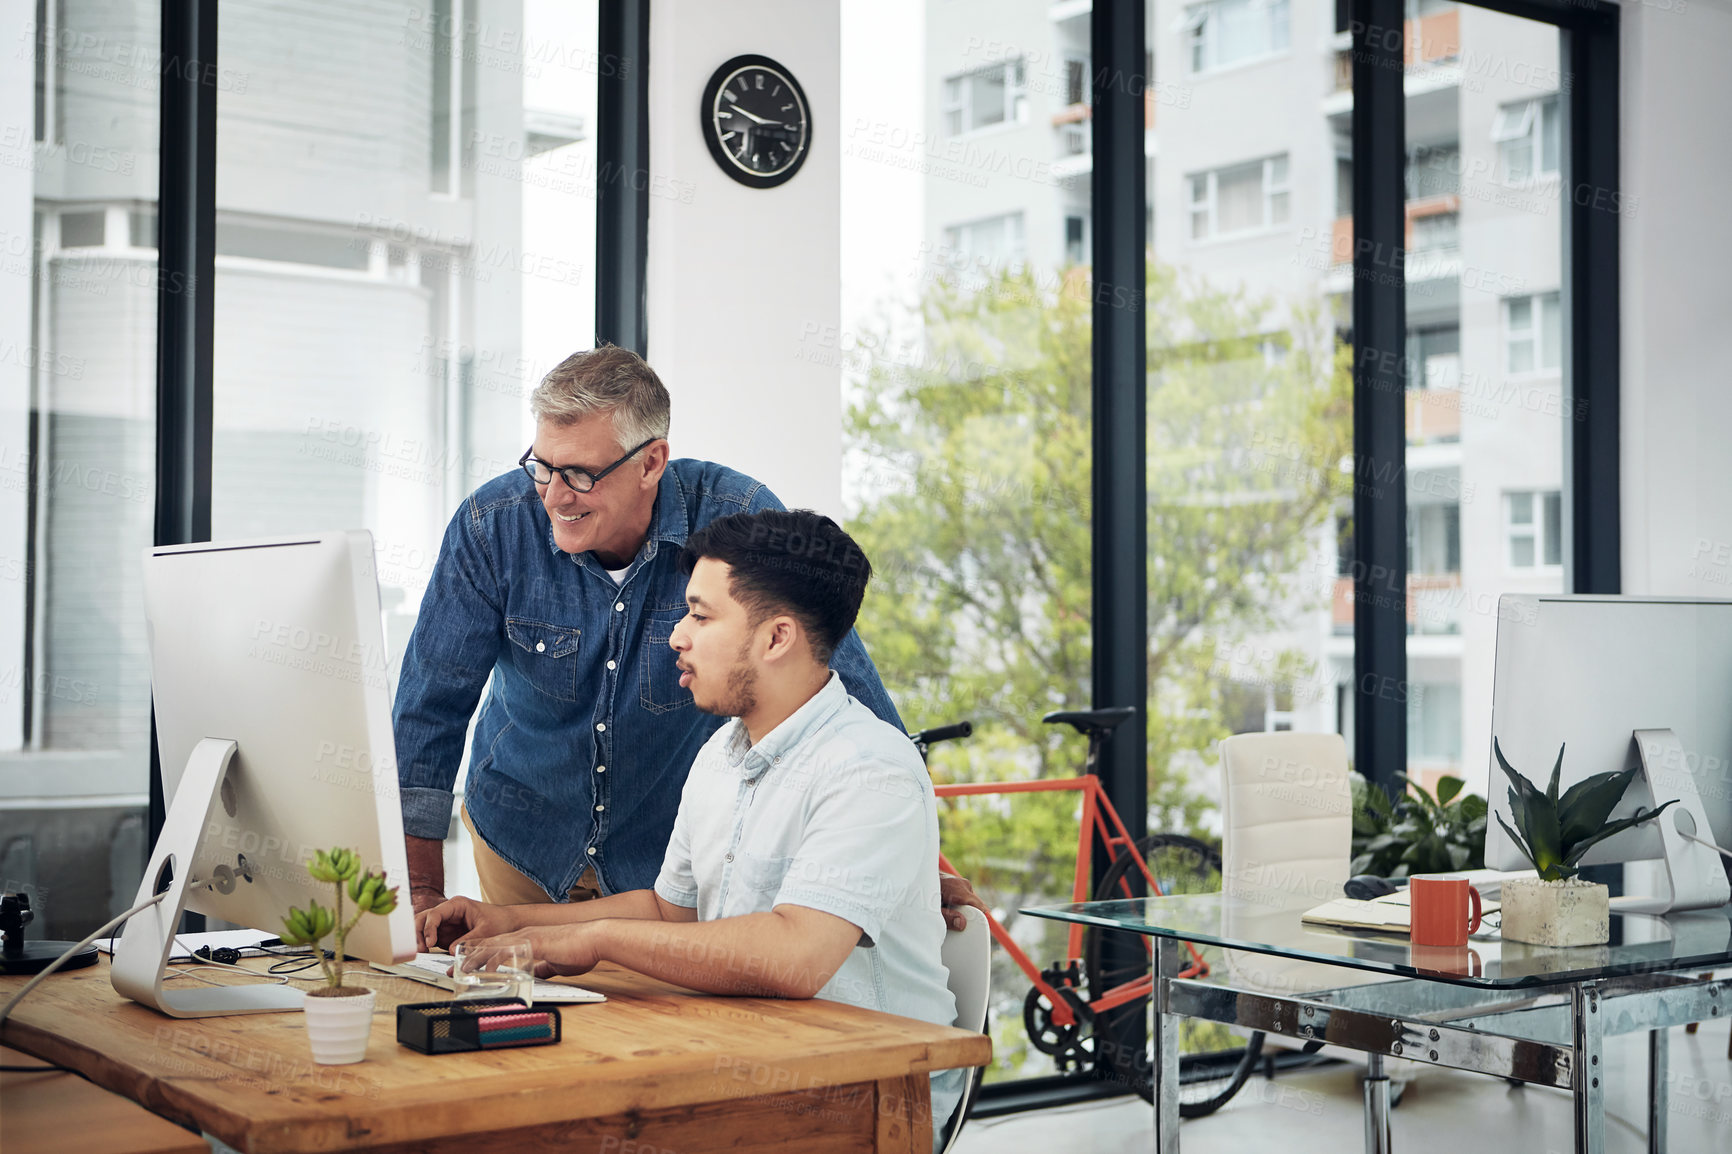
x=942 y=733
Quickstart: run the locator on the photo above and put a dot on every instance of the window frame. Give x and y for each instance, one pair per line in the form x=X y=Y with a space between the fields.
x=1534 y=333
x=956 y=98
x=1271 y=189
x=1196 y=23
x=1546 y=537
x=1537 y=113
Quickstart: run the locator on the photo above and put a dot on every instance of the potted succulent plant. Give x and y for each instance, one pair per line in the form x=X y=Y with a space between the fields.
x=339 y=1017
x=1558 y=908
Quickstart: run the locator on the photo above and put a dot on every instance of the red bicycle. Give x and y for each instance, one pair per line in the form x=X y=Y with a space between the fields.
x=1076 y=1003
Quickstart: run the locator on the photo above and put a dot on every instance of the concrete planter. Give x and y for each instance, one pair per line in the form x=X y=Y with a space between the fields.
x=1562 y=913
x=338 y=1025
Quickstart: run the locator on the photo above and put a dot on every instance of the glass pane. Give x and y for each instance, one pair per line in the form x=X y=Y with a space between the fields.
x=405 y=246
x=986 y=97
x=967 y=313
x=1551 y=332
x=1239 y=198
x=1484 y=429
x=79 y=96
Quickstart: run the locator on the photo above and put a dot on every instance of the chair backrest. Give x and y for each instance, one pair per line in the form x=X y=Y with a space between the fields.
x=967 y=956
x=1286 y=812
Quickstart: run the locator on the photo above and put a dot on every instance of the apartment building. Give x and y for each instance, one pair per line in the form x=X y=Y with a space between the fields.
x=1249 y=172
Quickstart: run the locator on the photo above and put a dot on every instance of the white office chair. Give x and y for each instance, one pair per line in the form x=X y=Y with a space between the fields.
x=1287 y=818
x=968 y=957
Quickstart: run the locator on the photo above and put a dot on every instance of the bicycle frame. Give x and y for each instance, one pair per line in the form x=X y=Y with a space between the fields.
x=1099 y=818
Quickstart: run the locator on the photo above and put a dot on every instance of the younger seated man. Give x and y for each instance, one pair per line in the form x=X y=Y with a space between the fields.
x=804 y=857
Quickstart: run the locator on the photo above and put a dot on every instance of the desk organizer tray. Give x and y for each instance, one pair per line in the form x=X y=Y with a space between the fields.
x=475 y=1024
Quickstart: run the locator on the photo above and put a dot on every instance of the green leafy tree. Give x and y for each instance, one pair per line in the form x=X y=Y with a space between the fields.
x=971 y=450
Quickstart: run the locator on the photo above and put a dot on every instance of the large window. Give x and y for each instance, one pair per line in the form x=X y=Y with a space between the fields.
x=78 y=297
x=1220 y=33
x=404 y=245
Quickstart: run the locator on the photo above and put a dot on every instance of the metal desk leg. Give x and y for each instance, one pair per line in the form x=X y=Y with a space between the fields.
x=1659 y=1042
x=1588 y=1071
x=1165 y=1050
x=1377 y=1138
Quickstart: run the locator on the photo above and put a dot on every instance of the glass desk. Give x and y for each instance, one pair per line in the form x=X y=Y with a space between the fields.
x=1531 y=1013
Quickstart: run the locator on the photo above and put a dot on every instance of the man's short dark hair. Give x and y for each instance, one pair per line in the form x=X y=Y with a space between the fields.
x=796 y=562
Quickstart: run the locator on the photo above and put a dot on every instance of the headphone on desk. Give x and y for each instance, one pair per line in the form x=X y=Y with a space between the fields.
x=222 y=955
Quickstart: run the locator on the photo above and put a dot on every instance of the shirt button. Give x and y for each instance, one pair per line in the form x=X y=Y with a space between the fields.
x=613 y=665
x=541 y=646
x=729 y=857
x=592 y=850
x=601 y=769
x=600 y=728
x=619 y=606
x=599 y=808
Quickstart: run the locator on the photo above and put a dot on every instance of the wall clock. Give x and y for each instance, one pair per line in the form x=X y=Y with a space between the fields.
x=756 y=121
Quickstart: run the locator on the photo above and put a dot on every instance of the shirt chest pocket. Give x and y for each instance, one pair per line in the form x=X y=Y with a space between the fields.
x=658 y=677
x=546 y=655
x=757 y=881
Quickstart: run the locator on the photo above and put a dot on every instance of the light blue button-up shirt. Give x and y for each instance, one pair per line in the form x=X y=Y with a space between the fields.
x=834 y=811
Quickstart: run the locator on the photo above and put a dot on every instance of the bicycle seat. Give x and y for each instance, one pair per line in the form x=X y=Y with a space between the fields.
x=1093 y=722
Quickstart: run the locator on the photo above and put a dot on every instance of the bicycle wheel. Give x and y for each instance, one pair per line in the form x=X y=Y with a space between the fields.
x=1213 y=1061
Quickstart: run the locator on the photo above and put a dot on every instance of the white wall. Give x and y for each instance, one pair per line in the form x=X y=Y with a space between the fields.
x=1677 y=302
x=741 y=280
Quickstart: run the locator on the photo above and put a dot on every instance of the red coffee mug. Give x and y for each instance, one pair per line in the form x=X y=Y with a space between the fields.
x=1439 y=910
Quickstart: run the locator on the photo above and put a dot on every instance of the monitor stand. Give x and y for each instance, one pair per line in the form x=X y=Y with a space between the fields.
x=1698 y=881
x=142 y=951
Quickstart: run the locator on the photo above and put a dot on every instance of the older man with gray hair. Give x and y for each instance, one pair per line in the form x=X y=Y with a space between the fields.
x=561 y=582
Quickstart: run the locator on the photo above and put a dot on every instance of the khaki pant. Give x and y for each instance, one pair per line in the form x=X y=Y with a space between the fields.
x=504 y=885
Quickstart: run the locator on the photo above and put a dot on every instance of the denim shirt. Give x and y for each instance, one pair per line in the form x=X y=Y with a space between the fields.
x=585 y=739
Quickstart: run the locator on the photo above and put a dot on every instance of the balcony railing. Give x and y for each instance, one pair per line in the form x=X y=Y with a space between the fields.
x=1434 y=603
x=1432 y=234
x=1429 y=40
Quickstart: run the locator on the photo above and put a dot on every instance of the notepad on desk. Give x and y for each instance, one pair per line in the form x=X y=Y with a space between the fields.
x=1387 y=914
x=431 y=968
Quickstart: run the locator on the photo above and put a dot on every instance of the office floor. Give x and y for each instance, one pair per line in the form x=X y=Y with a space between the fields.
x=1443 y=1112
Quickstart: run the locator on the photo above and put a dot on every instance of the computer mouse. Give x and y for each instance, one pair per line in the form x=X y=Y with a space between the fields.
x=1364 y=887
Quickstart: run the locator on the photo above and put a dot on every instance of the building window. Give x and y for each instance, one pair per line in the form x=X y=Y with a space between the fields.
x=1076 y=239
x=1434 y=357
x=1527 y=139
x=1243 y=198
x=86 y=229
x=995 y=242
x=1226 y=32
x=1533 y=525
x=987 y=96
x=1434 y=723
x=1076 y=80
x=1533 y=333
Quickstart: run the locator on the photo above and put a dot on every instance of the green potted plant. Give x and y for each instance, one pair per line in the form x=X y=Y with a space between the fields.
x=1416 y=833
x=339 y=1017
x=1558 y=908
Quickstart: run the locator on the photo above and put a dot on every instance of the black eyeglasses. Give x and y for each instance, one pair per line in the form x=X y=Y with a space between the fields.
x=576 y=479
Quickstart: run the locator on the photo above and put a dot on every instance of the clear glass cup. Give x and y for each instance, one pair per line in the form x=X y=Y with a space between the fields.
x=494 y=969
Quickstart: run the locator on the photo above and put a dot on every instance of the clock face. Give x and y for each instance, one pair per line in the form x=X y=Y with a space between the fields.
x=756 y=121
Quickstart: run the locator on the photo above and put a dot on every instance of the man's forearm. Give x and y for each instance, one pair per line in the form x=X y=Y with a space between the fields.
x=426 y=866
x=754 y=954
x=634 y=905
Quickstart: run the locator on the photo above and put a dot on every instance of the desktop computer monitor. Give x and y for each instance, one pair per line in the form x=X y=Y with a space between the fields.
x=1590 y=673
x=273 y=725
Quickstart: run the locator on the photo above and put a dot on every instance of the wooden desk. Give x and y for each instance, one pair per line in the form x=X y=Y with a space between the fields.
x=656 y=1065
x=60 y=1113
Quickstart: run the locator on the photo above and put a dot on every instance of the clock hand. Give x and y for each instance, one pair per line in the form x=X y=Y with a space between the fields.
x=754 y=118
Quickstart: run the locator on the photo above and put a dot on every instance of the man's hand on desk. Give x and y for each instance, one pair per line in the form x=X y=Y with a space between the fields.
x=954 y=893
x=558 y=950
x=461 y=919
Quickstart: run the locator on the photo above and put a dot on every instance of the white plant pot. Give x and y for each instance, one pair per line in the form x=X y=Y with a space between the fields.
x=1562 y=913
x=338 y=1028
